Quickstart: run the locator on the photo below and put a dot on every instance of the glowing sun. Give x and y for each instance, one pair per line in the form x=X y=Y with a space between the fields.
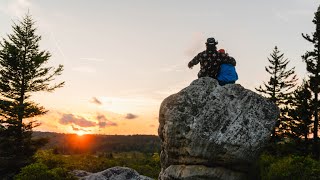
x=80 y=133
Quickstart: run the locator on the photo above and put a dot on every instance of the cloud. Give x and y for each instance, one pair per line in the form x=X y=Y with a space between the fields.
x=101 y=117
x=196 y=45
x=84 y=69
x=80 y=121
x=104 y=122
x=93 y=59
x=57 y=44
x=79 y=129
x=289 y=15
x=123 y=105
x=282 y=16
x=17 y=7
x=96 y=101
x=171 y=89
x=131 y=116
x=174 y=68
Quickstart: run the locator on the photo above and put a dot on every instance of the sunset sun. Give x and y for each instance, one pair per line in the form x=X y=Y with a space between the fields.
x=80 y=133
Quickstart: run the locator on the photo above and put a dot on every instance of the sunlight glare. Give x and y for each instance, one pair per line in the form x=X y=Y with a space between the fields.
x=80 y=133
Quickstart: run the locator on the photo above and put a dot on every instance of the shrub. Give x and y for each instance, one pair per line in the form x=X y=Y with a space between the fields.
x=48 y=158
x=49 y=165
x=39 y=171
x=289 y=167
x=34 y=171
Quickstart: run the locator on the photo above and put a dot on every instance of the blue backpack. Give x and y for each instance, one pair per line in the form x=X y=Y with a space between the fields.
x=227 y=73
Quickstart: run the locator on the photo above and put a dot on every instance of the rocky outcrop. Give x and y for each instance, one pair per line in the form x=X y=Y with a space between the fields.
x=209 y=131
x=114 y=173
x=199 y=172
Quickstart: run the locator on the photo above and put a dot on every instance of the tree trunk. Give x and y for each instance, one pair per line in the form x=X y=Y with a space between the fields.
x=306 y=140
x=20 y=123
x=315 y=130
x=21 y=105
x=316 y=120
x=274 y=99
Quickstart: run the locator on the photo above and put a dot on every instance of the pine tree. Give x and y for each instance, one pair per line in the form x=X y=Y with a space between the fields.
x=301 y=113
x=278 y=87
x=22 y=72
x=312 y=59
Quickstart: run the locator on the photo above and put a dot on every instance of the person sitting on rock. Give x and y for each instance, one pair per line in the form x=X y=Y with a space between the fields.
x=227 y=73
x=209 y=59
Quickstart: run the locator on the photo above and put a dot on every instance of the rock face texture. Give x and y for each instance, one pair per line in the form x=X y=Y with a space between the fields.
x=209 y=131
x=114 y=173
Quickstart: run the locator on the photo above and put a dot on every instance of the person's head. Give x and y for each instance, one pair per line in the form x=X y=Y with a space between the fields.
x=222 y=51
x=211 y=44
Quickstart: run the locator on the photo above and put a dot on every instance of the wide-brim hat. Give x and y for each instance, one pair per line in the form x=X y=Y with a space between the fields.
x=211 y=41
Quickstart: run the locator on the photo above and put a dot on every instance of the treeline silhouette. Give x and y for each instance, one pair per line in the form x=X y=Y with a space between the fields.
x=97 y=144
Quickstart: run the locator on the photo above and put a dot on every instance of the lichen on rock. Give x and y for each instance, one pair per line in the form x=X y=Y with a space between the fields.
x=219 y=127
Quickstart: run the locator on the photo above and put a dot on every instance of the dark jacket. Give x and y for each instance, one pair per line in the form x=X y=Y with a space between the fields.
x=210 y=62
x=226 y=59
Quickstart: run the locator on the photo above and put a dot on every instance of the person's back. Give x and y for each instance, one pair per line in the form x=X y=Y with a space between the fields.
x=227 y=73
x=209 y=60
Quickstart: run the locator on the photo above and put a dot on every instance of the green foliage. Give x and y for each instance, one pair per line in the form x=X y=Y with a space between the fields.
x=301 y=112
x=33 y=171
x=288 y=168
x=312 y=60
x=145 y=164
x=22 y=72
x=281 y=80
x=277 y=89
x=48 y=158
x=39 y=171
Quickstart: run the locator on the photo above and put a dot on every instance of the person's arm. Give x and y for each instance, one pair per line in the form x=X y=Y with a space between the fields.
x=194 y=61
x=229 y=60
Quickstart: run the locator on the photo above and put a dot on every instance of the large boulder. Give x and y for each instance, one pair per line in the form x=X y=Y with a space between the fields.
x=114 y=173
x=209 y=131
x=199 y=172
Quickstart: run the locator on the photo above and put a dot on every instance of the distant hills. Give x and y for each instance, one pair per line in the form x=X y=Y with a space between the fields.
x=95 y=144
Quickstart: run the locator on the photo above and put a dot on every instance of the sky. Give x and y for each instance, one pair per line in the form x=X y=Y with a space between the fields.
x=122 y=58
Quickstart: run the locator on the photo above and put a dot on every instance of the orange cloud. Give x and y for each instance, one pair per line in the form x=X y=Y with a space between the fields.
x=131 y=116
x=104 y=122
x=96 y=101
x=80 y=121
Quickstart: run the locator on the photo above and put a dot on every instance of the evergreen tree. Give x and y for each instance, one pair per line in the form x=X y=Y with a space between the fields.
x=278 y=88
x=312 y=59
x=301 y=114
x=22 y=72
